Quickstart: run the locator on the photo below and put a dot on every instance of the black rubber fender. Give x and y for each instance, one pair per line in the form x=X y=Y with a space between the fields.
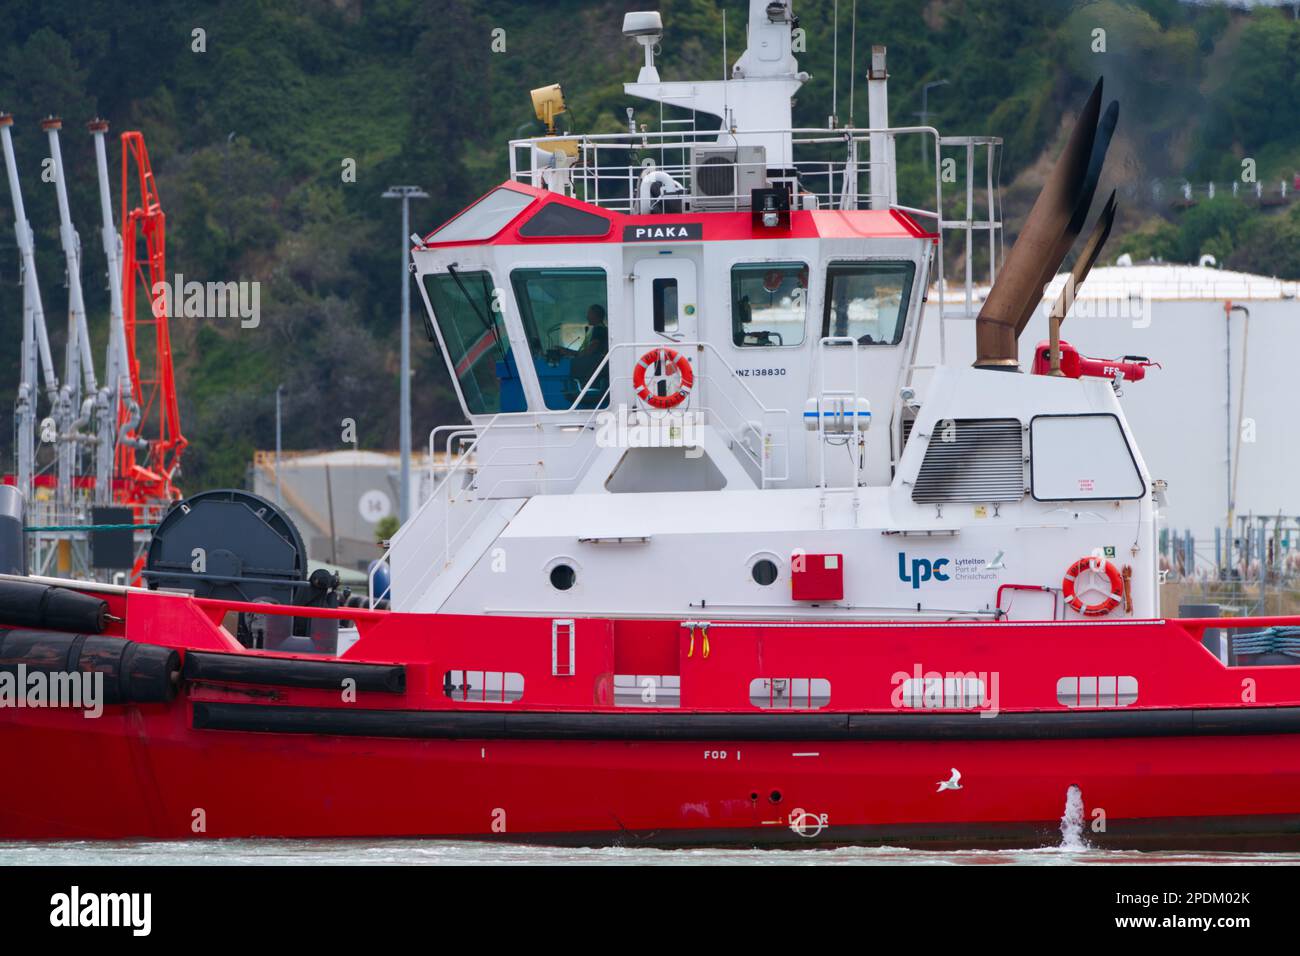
x=293 y=672
x=458 y=724
x=134 y=673
x=31 y=604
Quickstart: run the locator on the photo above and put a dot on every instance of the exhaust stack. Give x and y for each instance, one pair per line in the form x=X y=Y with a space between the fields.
x=1054 y=223
x=1082 y=266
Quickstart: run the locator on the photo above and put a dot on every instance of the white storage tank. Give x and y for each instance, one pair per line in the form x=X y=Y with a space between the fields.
x=1227 y=386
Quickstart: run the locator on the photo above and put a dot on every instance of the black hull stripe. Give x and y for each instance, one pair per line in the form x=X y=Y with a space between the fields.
x=288 y=672
x=479 y=725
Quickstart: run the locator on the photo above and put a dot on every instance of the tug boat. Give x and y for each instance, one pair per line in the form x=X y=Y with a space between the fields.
x=714 y=560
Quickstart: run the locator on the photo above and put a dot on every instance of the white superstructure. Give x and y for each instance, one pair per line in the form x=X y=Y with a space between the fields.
x=689 y=364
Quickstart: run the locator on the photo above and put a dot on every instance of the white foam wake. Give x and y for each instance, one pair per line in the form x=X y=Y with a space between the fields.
x=1072 y=821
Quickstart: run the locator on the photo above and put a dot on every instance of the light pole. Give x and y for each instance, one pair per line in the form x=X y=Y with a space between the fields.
x=405 y=194
x=925 y=114
x=279 y=390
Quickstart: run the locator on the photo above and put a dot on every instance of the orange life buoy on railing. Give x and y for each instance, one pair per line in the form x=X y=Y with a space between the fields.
x=1111 y=598
x=666 y=363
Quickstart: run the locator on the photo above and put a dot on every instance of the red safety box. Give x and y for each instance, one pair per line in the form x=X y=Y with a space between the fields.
x=817 y=577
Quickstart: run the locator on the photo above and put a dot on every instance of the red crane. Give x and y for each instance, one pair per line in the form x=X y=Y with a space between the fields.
x=150 y=452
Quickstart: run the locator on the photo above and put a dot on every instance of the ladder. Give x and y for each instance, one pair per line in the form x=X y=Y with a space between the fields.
x=840 y=416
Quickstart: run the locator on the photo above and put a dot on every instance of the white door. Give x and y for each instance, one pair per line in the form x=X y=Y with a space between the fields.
x=664 y=303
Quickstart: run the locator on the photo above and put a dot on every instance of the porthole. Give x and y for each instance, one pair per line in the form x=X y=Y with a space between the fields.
x=764 y=571
x=764 y=568
x=563 y=577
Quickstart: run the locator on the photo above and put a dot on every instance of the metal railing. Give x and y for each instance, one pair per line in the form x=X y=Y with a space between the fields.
x=58 y=534
x=760 y=438
x=605 y=169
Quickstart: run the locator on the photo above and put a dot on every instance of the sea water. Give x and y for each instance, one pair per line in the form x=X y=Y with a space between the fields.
x=459 y=853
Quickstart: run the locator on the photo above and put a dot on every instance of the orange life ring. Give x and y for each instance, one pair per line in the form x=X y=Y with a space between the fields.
x=1112 y=598
x=669 y=362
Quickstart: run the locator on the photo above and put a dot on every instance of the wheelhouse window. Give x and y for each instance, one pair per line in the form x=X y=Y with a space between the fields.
x=566 y=322
x=485 y=218
x=555 y=220
x=867 y=301
x=769 y=303
x=478 y=349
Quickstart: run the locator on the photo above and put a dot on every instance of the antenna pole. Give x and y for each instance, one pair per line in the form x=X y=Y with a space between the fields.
x=835 y=66
x=853 y=58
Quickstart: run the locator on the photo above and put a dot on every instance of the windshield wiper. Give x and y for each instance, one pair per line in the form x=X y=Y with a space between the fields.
x=488 y=325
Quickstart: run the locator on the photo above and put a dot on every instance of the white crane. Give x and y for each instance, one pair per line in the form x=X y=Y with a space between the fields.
x=79 y=368
x=35 y=338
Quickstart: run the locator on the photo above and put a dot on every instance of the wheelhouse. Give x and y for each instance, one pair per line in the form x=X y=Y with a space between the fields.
x=542 y=303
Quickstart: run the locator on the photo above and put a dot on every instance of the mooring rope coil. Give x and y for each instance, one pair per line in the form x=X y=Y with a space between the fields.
x=1271 y=640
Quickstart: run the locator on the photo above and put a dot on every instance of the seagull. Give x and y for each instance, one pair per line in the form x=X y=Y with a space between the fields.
x=997 y=564
x=953 y=783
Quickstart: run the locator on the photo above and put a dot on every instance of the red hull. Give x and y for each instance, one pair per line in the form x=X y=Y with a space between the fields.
x=146 y=770
x=141 y=776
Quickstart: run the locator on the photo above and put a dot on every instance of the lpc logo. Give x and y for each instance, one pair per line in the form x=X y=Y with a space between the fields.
x=923 y=569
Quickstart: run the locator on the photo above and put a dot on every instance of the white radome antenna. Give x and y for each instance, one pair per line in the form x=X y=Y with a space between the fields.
x=647 y=28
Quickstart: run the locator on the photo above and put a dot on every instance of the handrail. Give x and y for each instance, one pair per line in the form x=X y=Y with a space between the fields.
x=460 y=466
x=713 y=134
x=590 y=171
x=562 y=418
x=559 y=415
x=289 y=610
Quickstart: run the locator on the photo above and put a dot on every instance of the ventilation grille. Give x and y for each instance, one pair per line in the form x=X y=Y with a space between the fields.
x=973 y=459
x=716 y=176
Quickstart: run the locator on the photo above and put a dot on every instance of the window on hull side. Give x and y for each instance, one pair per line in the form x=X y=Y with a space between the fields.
x=790 y=693
x=769 y=303
x=867 y=301
x=566 y=321
x=484 y=687
x=478 y=349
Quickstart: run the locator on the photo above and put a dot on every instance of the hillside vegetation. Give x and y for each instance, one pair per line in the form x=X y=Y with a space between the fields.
x=250 y=136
